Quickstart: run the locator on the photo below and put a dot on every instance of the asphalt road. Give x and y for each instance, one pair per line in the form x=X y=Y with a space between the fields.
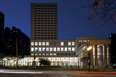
x=34 y=73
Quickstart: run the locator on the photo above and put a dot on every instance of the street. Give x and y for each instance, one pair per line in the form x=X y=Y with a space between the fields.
x=36 y=73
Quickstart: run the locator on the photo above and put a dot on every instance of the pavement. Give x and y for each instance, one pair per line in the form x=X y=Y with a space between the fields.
x=36 y=73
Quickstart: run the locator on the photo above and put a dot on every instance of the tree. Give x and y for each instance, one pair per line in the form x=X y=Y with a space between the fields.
x=43 y=61
x=104 y=10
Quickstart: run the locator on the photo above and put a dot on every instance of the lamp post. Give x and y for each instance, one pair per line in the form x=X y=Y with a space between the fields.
x=89 y=62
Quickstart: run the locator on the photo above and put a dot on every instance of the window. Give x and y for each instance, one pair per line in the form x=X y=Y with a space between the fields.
x=58 y=48
x=50 y=48
x=32 y=43
x=73 y=49
x=35 y=43
x=65 y=48
x=39 y=43
x=40 y=54
x=69 y=48
x=47 y=49
x=36 y=54
x=54 y=53
x=43 y=43
x=39 y=48
x=36 y=49
x=32 y=48
x=50 y=53
x=32 y=54
x=73 y=43
x=47 y=43
x=80 y=40
x=62 y=43
x=61 y=48
x=43 y=49
x=69 y=43
x=54 y=48
x=84 y=40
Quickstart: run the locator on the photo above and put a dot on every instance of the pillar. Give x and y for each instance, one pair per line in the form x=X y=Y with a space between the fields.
x=105 y=56
x=96 y=62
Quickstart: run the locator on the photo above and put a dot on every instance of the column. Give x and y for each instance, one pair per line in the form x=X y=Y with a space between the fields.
x=108 y=55
x=91 y=57
x=96 y=62
x=105 y=56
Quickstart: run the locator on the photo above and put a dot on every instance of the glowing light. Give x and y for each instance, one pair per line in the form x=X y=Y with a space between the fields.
x=89 y=48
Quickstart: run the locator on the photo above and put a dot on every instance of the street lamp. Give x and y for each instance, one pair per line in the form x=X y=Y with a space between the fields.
x=88 y=49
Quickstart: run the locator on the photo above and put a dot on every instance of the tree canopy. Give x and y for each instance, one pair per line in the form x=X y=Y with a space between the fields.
x=43 y=61
x=104 y=10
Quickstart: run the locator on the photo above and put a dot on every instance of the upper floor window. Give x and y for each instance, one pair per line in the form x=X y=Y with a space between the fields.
x=43 y=43
x=73 y=43
x=32 y=48
x=69 y=43
x=39 y=43
x=32 y=43
x=80 y=40
x=47 y=43
x=62 y=43
x=35 y=43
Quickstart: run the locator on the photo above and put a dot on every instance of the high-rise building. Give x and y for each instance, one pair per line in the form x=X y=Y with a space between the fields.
x=44 y=21
x=1 y=24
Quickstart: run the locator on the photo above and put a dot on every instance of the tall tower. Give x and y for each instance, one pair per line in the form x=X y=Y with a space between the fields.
x=1 y=25
x=44 y=21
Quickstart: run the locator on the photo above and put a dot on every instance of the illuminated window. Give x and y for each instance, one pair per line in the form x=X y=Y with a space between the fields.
x=65 y=48
x=54 y=53
x=39 y=48
x=73 y=49
x=43 y=43
x=84 y=40
x=36 y=54
x=54 y=48
x=32 y=54
x=62 y=43
x=80 y=40
x=50 y=48
x=43 y=54
x=47 y=54
x=47 y=43
x=32 y=48
x=58 y=48
x=32 y=43
x=39 y=43
x=69 y=48
x=36 y=49
x=47 y=48
x=73 y=43
x=69 y=43
x=40 y=54
x=50 y=53
x=35 y=43
x=61 y=48
x=43 y=49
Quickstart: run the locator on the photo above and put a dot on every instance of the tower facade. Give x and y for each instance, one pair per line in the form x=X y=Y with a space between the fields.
x=44 y=21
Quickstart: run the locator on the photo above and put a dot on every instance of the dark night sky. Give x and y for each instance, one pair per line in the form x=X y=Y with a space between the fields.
x=72 y=18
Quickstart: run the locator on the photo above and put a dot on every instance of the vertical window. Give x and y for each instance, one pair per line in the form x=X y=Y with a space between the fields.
x=54 y=53
x=58 y=48
x=47 y=48
x=32 y=48
x=73 y=49
x=50 y=53
x=47 y=43
x=73 y=43
x=36 y=49
x=43 y=49
x=69 y=43
x=62 y=43
x=50 y=48
x=43 y=43
x=65 y=48
x=61 y=48
x=39 y=48
x=32 y=43
x=40 y=54
x=35 y=43
x=54 y=48
x=39 y=43
x=69 y=48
